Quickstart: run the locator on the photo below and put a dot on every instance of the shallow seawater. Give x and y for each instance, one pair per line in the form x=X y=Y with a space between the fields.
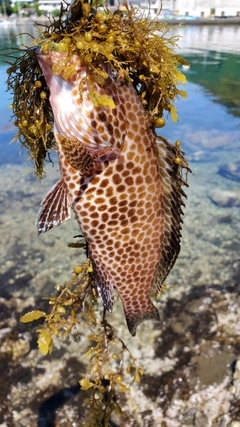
x=187 y=358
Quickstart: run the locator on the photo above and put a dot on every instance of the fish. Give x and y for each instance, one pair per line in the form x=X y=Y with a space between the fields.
x=120 y=179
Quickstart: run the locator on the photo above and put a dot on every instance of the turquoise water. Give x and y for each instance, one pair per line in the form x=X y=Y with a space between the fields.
x=209 y=131
x=213 y=103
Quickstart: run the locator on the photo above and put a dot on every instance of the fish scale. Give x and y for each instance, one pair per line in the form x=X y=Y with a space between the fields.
x=126 y=194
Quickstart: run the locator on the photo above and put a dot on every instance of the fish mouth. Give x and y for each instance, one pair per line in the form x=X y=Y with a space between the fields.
x=50 y=58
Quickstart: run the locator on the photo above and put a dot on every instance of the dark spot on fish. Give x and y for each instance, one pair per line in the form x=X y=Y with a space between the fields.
x=109 y=242
x=131 y=212
x=123 y=203
x=109 y=171
x=117 y=133
x=131 y=116
x=121 y=117
x=133 y=204
x=91 y=190
x=104 y=183
x=126 y=230
x=94 y=215
x=100 y=129
x=113 y=201
x=112 y=209
x=123 y=109
x=130 y=165
x=112 y=222
x=116 y=179
x=137 y=246
x=110 y=128
x=95 y=223
x=135 y=129
x=119 y=167
x=103 y=208
x=102 y=116
x=109 y=192
x=123 y=216
x=129 y=180
x=139 y=178
x=114 y=215
x=121 y=188
x=105 y=216
x=97 y=140
x=132 y=190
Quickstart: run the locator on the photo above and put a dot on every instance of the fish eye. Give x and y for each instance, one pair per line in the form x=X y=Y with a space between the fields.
x=114 y=74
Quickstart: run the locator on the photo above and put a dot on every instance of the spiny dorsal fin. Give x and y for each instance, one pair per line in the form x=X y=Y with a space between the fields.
x=55 y=208
x=172 y=200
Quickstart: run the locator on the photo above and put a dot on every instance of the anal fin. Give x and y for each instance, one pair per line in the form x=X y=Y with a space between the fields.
x=104 y=286
x=55 y=208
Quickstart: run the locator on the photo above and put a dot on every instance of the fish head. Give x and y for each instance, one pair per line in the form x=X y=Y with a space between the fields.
x=86 y=102
x=54 y=64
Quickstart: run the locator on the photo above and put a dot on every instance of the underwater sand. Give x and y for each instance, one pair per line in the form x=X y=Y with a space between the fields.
x=191 y=376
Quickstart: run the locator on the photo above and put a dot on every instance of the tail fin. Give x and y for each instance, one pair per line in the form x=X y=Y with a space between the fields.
x=134 y=318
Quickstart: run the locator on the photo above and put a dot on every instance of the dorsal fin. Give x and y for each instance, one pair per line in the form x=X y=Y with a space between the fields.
x=55 y=208
x=173 y=194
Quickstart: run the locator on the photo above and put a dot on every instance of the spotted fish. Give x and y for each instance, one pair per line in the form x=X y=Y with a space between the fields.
x=121 y=181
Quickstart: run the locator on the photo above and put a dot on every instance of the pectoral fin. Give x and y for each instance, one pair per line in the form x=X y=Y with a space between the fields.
x=76 y=155
x=55 y=208
x=86 y=159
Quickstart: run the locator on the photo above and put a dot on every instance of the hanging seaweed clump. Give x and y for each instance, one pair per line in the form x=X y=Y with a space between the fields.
x=112 y=367
x=136 y=48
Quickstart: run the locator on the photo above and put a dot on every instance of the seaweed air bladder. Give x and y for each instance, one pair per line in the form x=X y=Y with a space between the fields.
x=95 y=87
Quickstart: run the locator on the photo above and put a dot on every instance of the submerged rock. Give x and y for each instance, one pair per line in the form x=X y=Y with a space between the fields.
x=225 y=198
x=201 y=156
x=230 y=171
